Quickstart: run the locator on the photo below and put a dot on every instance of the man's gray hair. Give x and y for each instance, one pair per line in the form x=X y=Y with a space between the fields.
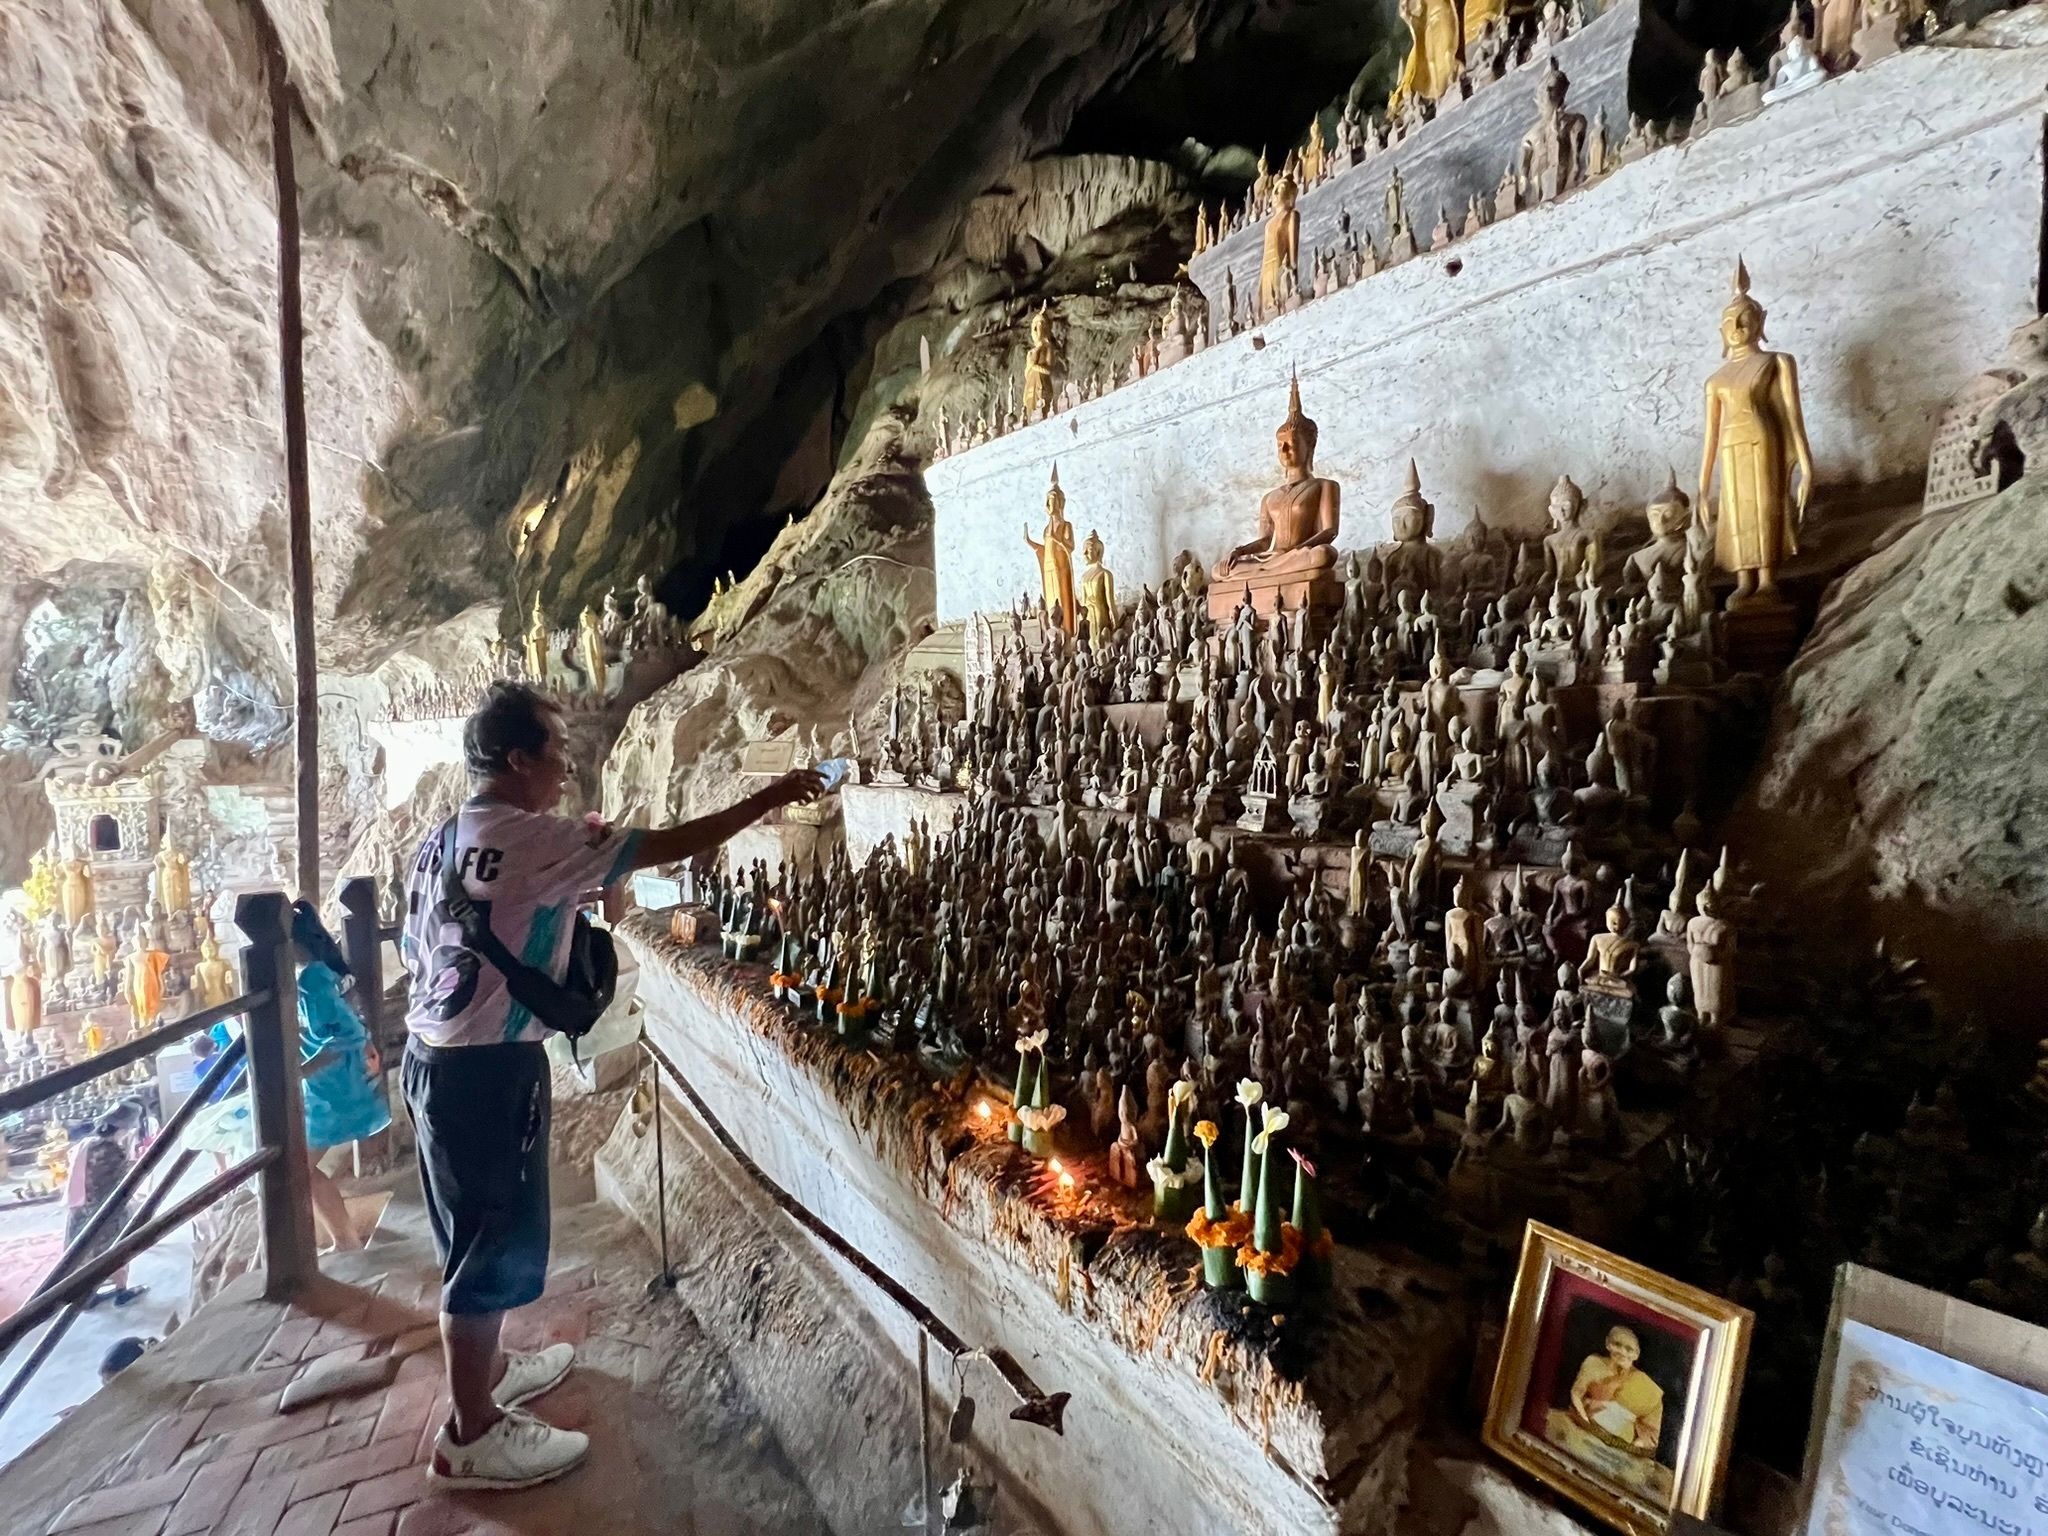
x=511 y=718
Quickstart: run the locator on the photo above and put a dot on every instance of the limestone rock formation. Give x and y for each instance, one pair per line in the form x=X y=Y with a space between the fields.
x=563 y=254
x=838 y=595
x=1905 y=786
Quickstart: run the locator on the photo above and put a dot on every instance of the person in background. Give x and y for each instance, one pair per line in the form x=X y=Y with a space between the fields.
x=121 y=1354
x=476 y=1074
x=341 y=1079
x=98 y=1164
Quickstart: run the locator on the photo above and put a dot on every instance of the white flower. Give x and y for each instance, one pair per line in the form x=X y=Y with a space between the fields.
x=1032 y=1042
x=1249 y=1092
x=1179 y=1096
x=1276 y=1122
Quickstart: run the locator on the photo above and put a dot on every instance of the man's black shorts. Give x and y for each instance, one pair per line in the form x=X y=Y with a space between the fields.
x=480 y=1115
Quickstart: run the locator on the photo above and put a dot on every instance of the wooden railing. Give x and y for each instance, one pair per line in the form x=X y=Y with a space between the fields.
x=270 y=1046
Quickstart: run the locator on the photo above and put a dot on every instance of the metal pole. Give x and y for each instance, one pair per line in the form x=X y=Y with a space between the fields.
x=54 y=1334
x=291 y=346
x=924 y=1428
x=290 y=1256
x=1047 y=1410
x=668 y=1273
x=223 y=1065
x=85 y=1279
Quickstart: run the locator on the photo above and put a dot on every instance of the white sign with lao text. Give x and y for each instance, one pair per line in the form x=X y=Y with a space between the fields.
x=1918 y=1444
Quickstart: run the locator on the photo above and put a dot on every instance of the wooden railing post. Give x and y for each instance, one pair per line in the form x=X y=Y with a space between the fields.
x=365 y=953
x=290 y=1256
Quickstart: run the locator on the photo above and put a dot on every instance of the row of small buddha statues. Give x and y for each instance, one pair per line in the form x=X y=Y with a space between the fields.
x=1181 y=331
x=1490 y=43
x=575 y=666
x=1560 y=152
x=1484 y=1016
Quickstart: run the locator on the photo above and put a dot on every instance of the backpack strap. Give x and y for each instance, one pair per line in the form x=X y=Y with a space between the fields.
x=463 y=910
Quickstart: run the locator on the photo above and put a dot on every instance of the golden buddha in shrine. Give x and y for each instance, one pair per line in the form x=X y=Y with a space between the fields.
x=1298 y=517
x=1755 y=442
x=212 y=978
x=1055 y=555
x=173 y=876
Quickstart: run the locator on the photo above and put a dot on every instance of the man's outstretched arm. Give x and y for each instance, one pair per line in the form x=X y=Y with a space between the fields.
x=685 y=840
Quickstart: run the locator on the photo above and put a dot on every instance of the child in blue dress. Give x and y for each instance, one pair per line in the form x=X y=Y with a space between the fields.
x=341 y=1079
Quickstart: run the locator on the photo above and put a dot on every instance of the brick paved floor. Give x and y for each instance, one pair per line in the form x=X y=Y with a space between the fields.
x=674 y=1445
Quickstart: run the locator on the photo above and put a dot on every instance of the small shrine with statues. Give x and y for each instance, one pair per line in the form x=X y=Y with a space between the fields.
x=108 y=935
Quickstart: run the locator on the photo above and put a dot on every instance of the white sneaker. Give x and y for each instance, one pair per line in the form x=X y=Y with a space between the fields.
x=518 y=1451
x=527 y=1376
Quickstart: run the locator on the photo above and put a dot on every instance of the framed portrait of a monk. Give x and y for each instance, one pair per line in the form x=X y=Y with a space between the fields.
x=1616 y=1385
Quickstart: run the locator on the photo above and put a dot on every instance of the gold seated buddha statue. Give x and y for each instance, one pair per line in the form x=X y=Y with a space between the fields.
x=1292 y=563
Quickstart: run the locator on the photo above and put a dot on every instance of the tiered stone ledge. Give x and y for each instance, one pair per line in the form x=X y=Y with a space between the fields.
x=1189 y=1412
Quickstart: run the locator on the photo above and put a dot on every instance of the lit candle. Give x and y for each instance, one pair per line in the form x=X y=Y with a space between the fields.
x=983 y=1110
x=1066 y=1181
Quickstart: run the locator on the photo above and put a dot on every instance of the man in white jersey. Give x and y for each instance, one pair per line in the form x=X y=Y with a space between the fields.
x=476 y=1076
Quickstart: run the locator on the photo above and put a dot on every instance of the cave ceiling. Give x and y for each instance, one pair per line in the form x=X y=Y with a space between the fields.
x=631 y=264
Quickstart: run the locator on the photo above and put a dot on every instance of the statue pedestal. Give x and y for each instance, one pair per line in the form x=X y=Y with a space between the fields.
x=1263 y=813
x=1273 y=591
x=1745 y=101
x=1461 y=829
x=1760 y=636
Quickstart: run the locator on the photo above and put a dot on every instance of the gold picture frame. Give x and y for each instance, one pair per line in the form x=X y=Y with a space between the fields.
x=1596 y=1352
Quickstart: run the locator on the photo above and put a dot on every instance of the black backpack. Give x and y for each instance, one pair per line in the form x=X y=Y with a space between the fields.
x=571 y=1006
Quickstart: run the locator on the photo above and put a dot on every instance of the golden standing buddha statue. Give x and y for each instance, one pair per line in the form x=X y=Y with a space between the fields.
x=1478 y=15
x=1098 y=590
x=25 y=998
x=1280 y=268
x=1435 y=57
x=212 y=978
x=75 y=888
x=590 y=641
x=1056 y=556
x=1038 y=383
x=173 y=877
x=1755 y=439
x=142 y=982
x=1315 y=154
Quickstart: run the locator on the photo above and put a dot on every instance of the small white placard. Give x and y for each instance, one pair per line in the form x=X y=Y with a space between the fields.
x=656 y=893
x=768 y=759
x=1919 y=1444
